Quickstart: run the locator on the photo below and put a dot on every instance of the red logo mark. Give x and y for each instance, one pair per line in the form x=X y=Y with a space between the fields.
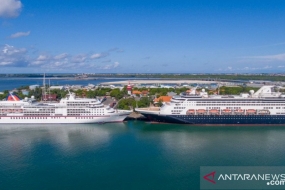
x=210 y=177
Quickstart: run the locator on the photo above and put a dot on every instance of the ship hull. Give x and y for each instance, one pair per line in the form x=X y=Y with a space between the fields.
x=62 y=119
x=217 y=119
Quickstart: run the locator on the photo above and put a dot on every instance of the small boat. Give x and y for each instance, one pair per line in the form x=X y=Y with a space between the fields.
x=226 y=111
x=239 y=111
x=263 y=112
x=201 y=111
x=190 y=112
x=214 y=112
x=250 y=112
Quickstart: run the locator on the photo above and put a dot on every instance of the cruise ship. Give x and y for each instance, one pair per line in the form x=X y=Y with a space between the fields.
x=264 y=106
x=67 y=110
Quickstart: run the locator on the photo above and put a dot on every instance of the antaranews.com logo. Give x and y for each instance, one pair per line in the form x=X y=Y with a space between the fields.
x=242 y=177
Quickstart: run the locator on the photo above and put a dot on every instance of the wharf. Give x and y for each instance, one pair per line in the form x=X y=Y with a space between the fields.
x=136 y=116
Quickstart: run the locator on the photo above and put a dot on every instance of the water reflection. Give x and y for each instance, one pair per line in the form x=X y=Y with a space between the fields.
x=129 y=155
x=219 y=145
x=18 y=141
x=177 y=141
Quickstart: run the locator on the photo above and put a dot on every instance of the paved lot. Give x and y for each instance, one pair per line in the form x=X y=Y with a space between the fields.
x=109 y=101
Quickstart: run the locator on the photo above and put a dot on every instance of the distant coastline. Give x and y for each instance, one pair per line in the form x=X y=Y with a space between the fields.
x=162 y=76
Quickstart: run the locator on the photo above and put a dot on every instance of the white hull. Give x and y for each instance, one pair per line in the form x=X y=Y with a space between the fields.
x=63 y=119
x=68 y=110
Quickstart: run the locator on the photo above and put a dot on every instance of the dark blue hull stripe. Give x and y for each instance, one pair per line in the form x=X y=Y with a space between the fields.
x=218 y=119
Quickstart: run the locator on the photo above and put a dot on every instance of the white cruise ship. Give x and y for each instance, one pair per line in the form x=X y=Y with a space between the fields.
x=68 y=110
x=262 y=107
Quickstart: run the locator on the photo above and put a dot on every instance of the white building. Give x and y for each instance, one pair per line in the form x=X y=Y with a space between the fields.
x=33 y=87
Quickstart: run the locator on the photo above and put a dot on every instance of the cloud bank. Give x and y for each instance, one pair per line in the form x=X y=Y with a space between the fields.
x=11 y=56
x=10 y=8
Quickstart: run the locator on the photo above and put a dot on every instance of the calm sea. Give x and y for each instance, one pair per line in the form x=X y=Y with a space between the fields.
x=12 y=83
x=130 y=155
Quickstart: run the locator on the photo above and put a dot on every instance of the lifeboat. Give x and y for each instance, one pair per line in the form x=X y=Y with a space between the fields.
x=239 y=111
x=250 y=112
x=214 y=112
x=226 y=111
x=190 y=112
x=200 y=111
x=263 y=112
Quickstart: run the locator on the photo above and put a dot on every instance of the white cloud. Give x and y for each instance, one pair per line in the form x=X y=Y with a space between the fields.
x=79 y=58
x=10 y=8
x=269 y=58
x=248 y=68
x=110 y=66
x=58 y=63
x=98 y=55
x=267 y=67
x=116 y=64
x=11 y=50
x=61 y=56
x=11 y=56
x=41 y=60
x=281 y=66
x=19 y=34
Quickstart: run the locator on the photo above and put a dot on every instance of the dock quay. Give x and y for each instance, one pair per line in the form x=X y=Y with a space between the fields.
x=135 y=116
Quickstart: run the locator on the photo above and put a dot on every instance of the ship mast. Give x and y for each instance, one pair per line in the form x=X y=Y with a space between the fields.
x=44 y=88
x=49 y=97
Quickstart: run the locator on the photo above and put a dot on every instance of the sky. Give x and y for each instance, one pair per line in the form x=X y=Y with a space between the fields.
x=142 y=36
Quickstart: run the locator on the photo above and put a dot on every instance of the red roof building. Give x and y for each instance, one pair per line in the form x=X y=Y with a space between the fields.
x=49 y=97
x=163 y=99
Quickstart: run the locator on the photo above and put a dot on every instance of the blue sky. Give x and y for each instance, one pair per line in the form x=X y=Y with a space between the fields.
x=142 y=36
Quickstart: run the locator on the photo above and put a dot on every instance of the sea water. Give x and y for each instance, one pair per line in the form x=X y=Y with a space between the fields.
x=12 y=83
x=130 y=155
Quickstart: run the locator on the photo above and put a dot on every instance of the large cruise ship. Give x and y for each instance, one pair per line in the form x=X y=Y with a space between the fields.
x=68 y=110
x=264 y=106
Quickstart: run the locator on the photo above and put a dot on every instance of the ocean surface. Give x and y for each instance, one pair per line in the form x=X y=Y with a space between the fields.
x=130 y=155
x=12 y=83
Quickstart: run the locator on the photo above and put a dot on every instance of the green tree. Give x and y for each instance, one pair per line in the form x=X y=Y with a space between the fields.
x=37 y=93
x=144 y=102
x=127 y=103
x=4 y=95
x=79 y=92
x=160 y=103
x=59 y=93
x=24 y=88
x=117 y=93
x=90 y=94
